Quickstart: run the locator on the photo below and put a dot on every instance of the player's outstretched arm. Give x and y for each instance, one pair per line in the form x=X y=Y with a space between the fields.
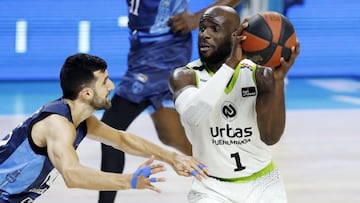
x=141 y=177
x=138 y=146
x=58 y=135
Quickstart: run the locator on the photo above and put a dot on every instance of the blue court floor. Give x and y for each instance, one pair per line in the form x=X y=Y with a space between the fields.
x=24 y=97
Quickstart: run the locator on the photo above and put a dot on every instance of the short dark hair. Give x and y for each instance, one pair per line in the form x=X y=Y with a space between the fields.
x=77 y=72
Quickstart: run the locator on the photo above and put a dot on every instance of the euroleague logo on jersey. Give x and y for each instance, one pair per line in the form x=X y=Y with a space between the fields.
x=229 y=111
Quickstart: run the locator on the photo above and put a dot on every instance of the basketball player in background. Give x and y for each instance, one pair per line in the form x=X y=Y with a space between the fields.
x=160 y=41
x=232 y=111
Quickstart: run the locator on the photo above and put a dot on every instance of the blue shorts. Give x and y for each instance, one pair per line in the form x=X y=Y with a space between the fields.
x=149 y=67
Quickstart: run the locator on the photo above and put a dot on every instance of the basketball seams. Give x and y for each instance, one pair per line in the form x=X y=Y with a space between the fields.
x=274 y=23
x=270 y=35
x=285 y=36
x=261 y=43
x=264 y=31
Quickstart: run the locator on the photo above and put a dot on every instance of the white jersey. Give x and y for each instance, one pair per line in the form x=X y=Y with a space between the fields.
x=228 y=140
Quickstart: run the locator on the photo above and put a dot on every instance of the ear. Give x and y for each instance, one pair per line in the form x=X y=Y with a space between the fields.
x=87 y=93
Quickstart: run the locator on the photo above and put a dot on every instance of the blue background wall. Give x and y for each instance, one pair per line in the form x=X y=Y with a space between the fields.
x=328 y=31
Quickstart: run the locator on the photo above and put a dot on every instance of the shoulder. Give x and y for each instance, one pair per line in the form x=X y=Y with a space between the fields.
x=185 y=76
x=51 y=127
x=56 y=122
x=197 y=64
x=182 y=72
x=188 y=70
x=182 y=77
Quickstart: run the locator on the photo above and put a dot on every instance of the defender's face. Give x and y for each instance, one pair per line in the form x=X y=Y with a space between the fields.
x=102 y=89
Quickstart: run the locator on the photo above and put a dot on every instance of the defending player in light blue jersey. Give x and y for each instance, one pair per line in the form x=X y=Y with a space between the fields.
x=45 y=144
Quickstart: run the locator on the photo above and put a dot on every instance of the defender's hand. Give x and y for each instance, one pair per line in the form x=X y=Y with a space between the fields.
x=189 y=166
x=141 y=178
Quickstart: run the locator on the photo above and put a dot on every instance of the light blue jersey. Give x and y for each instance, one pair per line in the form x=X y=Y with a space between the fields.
x=154 y=51
x=25 y=169
x=151 y=16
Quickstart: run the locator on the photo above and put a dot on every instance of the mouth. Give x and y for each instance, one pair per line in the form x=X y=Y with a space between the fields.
x=204 y=47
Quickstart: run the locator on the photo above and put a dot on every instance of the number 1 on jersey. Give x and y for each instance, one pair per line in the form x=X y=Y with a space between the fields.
x=238 y=163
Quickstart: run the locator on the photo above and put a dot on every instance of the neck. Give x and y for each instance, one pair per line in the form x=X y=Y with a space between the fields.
x=213 y=66
x=79 y=111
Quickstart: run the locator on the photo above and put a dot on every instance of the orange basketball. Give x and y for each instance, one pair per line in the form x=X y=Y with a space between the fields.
x=270 y=36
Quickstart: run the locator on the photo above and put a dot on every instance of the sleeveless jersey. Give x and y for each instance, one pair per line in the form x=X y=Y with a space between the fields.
x=228 y=140
x=25 y=169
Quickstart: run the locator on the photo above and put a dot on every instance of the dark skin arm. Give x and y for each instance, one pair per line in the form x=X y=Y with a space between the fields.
x=181 y=79
x=270 y=104
x=186 y=22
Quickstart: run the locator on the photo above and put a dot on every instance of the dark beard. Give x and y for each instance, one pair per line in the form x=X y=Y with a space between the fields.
x=98 y=104
x=219 y=55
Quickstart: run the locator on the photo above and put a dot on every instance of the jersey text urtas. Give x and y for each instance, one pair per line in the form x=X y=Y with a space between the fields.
x=231 y=132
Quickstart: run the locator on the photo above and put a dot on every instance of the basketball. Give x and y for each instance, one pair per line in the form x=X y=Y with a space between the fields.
x=270 y=36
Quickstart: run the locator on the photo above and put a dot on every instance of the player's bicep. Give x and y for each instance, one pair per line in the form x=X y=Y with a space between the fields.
x=59 y=140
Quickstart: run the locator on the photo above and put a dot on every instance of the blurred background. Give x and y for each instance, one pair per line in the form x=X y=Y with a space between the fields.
x=36 y=36
x=318 y=155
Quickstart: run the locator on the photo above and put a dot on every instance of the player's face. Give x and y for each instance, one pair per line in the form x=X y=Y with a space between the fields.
x=214 y=40
x=103 y=87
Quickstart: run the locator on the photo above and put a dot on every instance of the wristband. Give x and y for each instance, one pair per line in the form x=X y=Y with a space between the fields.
x=144 y=171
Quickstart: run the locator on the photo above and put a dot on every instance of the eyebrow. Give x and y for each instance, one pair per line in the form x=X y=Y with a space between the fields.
x=106 y=78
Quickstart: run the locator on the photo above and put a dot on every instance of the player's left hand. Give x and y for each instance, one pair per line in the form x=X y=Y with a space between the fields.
x=189 y=166
x=285 y=66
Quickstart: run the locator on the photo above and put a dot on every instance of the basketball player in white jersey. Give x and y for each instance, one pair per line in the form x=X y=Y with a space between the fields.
x=232 y=110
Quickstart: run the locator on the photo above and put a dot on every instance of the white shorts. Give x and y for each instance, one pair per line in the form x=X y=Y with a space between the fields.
x=266 y=189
